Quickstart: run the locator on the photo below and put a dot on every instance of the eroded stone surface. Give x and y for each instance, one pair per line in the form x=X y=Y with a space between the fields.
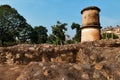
x=97 y=60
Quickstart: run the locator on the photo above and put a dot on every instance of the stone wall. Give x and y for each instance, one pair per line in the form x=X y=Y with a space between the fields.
x=25 y=53
x=99 y=60
x=73 y=53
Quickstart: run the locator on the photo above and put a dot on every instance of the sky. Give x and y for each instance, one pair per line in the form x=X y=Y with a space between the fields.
x=48 y=12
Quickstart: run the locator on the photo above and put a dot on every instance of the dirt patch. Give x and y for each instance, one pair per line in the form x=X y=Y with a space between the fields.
x=10 y=72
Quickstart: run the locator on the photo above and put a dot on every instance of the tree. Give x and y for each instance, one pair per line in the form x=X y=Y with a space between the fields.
x=109 y=36
x=25 y=34
x=39 y=35
x=58 y=31
x=51 y=39
x=11 y=23
x=77 y=36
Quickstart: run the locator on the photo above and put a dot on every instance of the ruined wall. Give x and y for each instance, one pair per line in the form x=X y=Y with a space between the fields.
x=25 y=53
x=73 y=53
x=97 y=60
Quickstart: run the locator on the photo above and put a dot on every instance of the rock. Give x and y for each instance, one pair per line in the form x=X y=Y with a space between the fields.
x=85 y=76
x=78 y=67
x=46 y=72
x=98 y=66
x=31 y=49
x=91 y=60
x=104 y=73
x=17 y=55
x=86 y=66
x=96 y=75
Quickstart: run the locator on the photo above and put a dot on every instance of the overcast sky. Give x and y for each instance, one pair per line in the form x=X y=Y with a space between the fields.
x=47 y=12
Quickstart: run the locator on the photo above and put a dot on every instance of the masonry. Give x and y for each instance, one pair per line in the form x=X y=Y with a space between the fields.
x=90 y=30
x=72 y=53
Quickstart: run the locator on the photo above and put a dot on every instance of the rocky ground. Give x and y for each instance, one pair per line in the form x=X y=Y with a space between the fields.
x=99 y=60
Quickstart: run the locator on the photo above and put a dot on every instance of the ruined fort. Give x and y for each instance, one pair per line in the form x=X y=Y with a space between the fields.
x=25 y=53
x=93 y=59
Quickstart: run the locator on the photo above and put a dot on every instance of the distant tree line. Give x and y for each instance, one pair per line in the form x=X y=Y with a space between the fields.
x=14 y=29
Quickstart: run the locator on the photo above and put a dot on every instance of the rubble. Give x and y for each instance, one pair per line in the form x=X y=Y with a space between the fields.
x=98 y=60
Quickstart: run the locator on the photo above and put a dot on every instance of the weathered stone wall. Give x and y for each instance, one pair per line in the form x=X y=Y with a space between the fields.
x=97 y=60
x=25 y=53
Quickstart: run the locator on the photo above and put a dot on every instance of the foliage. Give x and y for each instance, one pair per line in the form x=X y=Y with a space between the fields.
x=11 y=23
x=69 y=42
x=109 y=36
x=58 y=32
x=25 y=35
x=77 y=36
x=51 y=39
x=39 y=35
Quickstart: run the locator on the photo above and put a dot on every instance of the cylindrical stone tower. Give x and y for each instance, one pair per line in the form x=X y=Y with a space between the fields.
x=90 y=30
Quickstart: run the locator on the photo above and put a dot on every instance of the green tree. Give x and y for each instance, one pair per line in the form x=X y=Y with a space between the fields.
x=58 y=31
x=25 y=35
x=51 y=39
x=39 y=35
x=11 y=23
x=34 y=37
x=77 y=36
x=109 y=36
